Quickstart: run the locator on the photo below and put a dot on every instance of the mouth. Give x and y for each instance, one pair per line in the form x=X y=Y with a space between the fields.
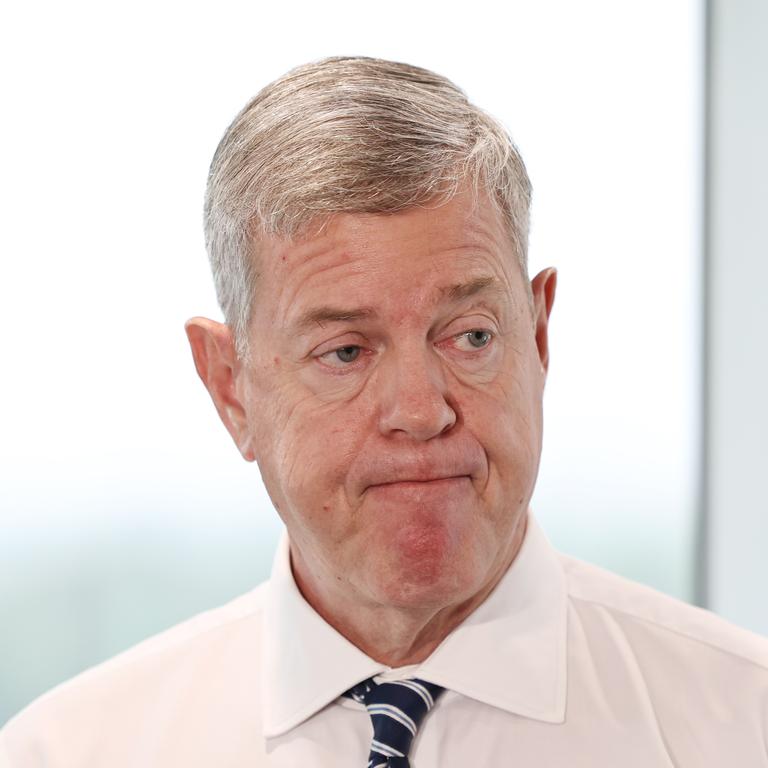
x=458 y=466
x=417 y=483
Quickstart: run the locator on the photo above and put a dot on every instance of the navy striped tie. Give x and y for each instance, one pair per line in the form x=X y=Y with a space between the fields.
x=396 y=709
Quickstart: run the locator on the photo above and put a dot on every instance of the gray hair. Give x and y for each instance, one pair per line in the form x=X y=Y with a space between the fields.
x=348 y=135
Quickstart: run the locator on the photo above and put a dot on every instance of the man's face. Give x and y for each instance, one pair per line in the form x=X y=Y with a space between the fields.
x=393 y=401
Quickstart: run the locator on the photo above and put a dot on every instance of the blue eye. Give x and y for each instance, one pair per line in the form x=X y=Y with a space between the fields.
x=478 y=338
x=342 y=358
x=347 y=354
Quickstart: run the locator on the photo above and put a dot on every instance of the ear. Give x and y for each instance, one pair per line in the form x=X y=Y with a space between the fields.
x=217 y=364
x=543 y=290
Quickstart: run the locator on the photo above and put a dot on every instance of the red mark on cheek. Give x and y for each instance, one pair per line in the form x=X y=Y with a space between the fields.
x=277 y=361
x=326 y=507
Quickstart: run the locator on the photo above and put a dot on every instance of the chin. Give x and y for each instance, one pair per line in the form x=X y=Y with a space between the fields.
x=425 y=567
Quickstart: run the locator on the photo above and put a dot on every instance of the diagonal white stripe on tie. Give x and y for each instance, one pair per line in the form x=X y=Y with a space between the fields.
x=395 y=713
x=418 y=688
x=385 y=749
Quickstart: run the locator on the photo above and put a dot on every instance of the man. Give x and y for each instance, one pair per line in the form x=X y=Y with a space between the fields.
x=383 y=360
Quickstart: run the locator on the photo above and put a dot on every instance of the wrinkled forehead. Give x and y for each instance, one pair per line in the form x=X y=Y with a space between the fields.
x=422 y=256
x=468 y=215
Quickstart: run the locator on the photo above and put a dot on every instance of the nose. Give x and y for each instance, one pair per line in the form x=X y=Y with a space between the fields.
x=414 y=397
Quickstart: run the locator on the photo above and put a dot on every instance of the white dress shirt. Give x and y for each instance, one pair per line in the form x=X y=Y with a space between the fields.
x=563 y=665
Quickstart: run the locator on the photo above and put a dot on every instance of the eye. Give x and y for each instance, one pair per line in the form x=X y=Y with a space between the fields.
x=341 y=356
x=347 y=354
x=477 y=338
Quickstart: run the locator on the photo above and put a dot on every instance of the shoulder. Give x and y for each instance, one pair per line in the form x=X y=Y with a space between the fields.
x=696 y=682
x=171 y=677
x=201 y=634
x=660 y=620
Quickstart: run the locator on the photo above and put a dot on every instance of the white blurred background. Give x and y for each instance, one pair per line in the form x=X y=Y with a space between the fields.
x=123 y=506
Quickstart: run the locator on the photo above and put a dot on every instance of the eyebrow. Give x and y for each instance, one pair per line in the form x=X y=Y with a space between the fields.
x=452 y=293
x=322 y=315
x=461 y=291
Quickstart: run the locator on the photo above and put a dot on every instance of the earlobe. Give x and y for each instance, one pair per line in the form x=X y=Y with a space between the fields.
x=213 y=351
x=543 y=289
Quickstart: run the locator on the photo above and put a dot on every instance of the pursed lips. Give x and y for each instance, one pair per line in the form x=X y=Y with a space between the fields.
x=453 y=463
x=418 y=481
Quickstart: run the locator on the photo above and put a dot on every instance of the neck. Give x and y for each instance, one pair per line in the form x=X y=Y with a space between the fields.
x=394 y=635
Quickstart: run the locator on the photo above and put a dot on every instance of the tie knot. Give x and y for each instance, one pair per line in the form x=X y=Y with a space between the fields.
x=396 y=709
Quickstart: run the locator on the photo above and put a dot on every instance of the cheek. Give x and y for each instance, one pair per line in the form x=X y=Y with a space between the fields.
x=507 y=422
x=307 y=448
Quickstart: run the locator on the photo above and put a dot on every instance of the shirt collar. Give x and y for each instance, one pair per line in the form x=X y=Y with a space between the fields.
x=306 y=663
x=509 y=653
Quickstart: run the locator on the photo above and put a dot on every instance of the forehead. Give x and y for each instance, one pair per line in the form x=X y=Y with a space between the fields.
x=422 y=255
